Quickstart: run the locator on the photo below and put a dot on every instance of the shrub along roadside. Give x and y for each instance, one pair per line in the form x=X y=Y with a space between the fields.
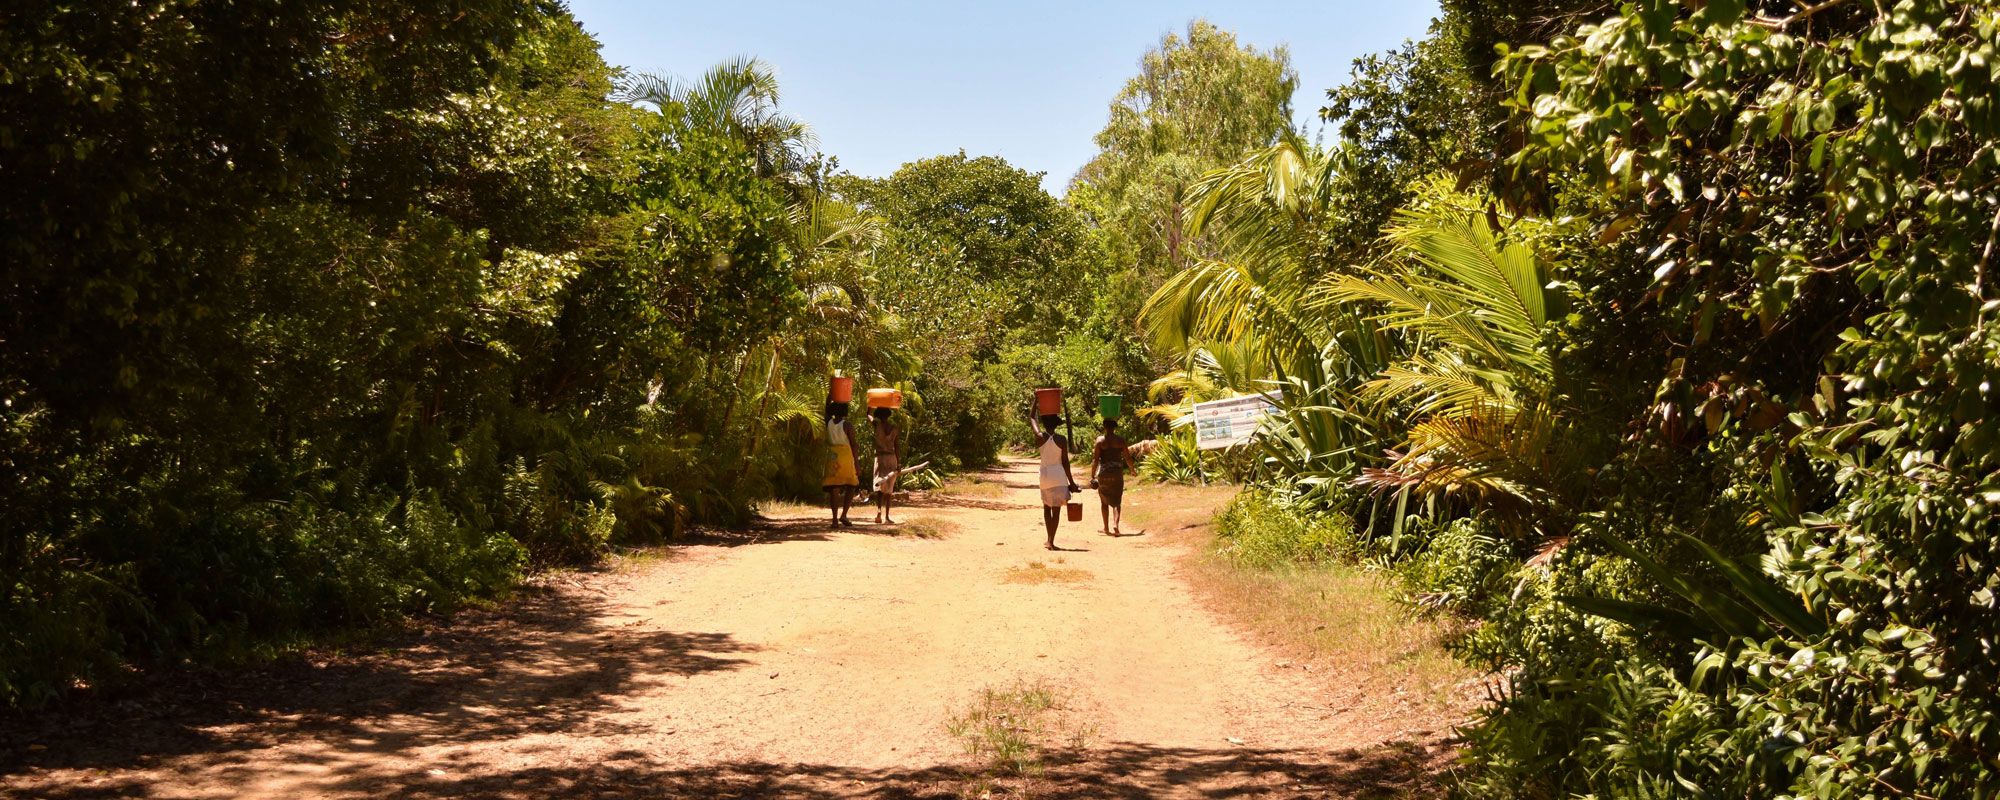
x=1700 y=377
x=1302 y=581
x=300 y=338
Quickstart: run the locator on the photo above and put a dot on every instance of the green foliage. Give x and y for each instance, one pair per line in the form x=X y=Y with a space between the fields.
x=1743 y=438
x=1262 y=529
x=1197 y=103
x=991 y=278
x=1802 y=189
x=1461 y=568
x=369 y=308
x=1175 y=459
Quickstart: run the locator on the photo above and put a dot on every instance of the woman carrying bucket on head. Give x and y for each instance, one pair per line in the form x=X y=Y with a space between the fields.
x=1053 y=450
x=882 y=403
x=841 y=469
x=1109 y=459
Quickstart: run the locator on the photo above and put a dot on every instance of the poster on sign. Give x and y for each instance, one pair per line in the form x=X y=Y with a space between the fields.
x=1226 y=423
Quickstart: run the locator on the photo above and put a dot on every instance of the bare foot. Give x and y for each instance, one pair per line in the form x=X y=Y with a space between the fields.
x=888 y=521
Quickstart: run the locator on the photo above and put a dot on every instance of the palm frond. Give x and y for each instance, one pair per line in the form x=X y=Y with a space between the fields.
x=1453 y=280
x=1443 y=385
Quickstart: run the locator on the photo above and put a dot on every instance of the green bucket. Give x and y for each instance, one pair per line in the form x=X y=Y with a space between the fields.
x=1109 y=405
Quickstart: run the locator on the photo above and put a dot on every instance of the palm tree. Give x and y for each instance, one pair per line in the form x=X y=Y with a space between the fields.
x=1444 y=330
x=738 y=98
x=1259 y=217
x=841 y=325
x=1260 y=222
x=1479 y=377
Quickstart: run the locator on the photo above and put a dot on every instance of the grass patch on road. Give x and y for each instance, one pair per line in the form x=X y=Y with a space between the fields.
x=973 y=487
x=927 y=527
x=1035 y=572
x=1009 y=731
x=790 y=509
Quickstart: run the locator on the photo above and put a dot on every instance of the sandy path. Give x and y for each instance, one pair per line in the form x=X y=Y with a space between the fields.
x=800 y=662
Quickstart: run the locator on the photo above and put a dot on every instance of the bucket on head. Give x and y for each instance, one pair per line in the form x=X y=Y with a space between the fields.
x=1110 y=405
x=1076 y=512
x=843 y=389
x=1048 y=401
x=885 y=398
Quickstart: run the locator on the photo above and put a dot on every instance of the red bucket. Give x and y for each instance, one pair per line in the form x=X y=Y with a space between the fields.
x=1048 y=401
x=843 y=389
x=1076 y=512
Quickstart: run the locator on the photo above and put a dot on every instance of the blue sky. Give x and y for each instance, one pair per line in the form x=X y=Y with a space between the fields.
x=884 y=83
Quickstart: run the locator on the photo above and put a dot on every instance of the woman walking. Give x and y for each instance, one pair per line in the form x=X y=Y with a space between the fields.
x=888 y=440
x=1056 y=481
x=841 y=468
x=1109 y=459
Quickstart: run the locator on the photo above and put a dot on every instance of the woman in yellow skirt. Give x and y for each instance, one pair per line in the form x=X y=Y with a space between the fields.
x=841 y=469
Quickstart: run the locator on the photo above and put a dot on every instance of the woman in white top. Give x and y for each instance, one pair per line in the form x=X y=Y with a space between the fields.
x=841 y=482
x=1057 y=484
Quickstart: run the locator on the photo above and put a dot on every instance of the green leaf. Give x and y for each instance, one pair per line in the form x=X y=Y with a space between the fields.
x=1769 y=597
x=1648 y=616
x=1729 y=616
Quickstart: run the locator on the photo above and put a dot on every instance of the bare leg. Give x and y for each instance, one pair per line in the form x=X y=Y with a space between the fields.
x=1050 y=516
x=833 y=504
x=889 y=496
x=1105 y=509
x=1117 y=515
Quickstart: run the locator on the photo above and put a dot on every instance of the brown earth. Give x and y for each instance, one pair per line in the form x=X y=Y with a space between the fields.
x=791 y=660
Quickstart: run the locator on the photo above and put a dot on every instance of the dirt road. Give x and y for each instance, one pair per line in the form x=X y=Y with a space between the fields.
x=793 y=660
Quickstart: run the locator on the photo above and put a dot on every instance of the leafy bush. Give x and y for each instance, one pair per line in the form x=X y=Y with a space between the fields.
x=1174 y=460
x=1461 y=568
x=1258 y=529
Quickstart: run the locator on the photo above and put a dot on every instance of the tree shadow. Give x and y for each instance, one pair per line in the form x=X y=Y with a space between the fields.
x=933 y=500
x=1119 y=770
x=551 y=661
x=768 y=530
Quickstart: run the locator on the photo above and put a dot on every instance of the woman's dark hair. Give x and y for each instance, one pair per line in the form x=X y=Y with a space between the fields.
x=1050 y=421
x=1110 y=424
x=881 y=414
x=836 y=411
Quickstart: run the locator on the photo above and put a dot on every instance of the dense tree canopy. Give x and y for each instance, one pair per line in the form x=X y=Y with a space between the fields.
x=1684 y=410
x=1651 y=342
x=1198 y=103
x=983 y=260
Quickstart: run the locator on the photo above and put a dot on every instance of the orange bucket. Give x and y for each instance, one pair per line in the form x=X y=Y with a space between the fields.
x=843 y=389
x=1076 y=512
x=1048 y=401
x=885 y=398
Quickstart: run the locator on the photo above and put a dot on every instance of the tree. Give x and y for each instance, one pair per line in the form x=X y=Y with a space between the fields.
x=1197 y=103
x=979 y=257
x=1795 y=202
x=1404 y=116
x=255 y=300
x=738 y=99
